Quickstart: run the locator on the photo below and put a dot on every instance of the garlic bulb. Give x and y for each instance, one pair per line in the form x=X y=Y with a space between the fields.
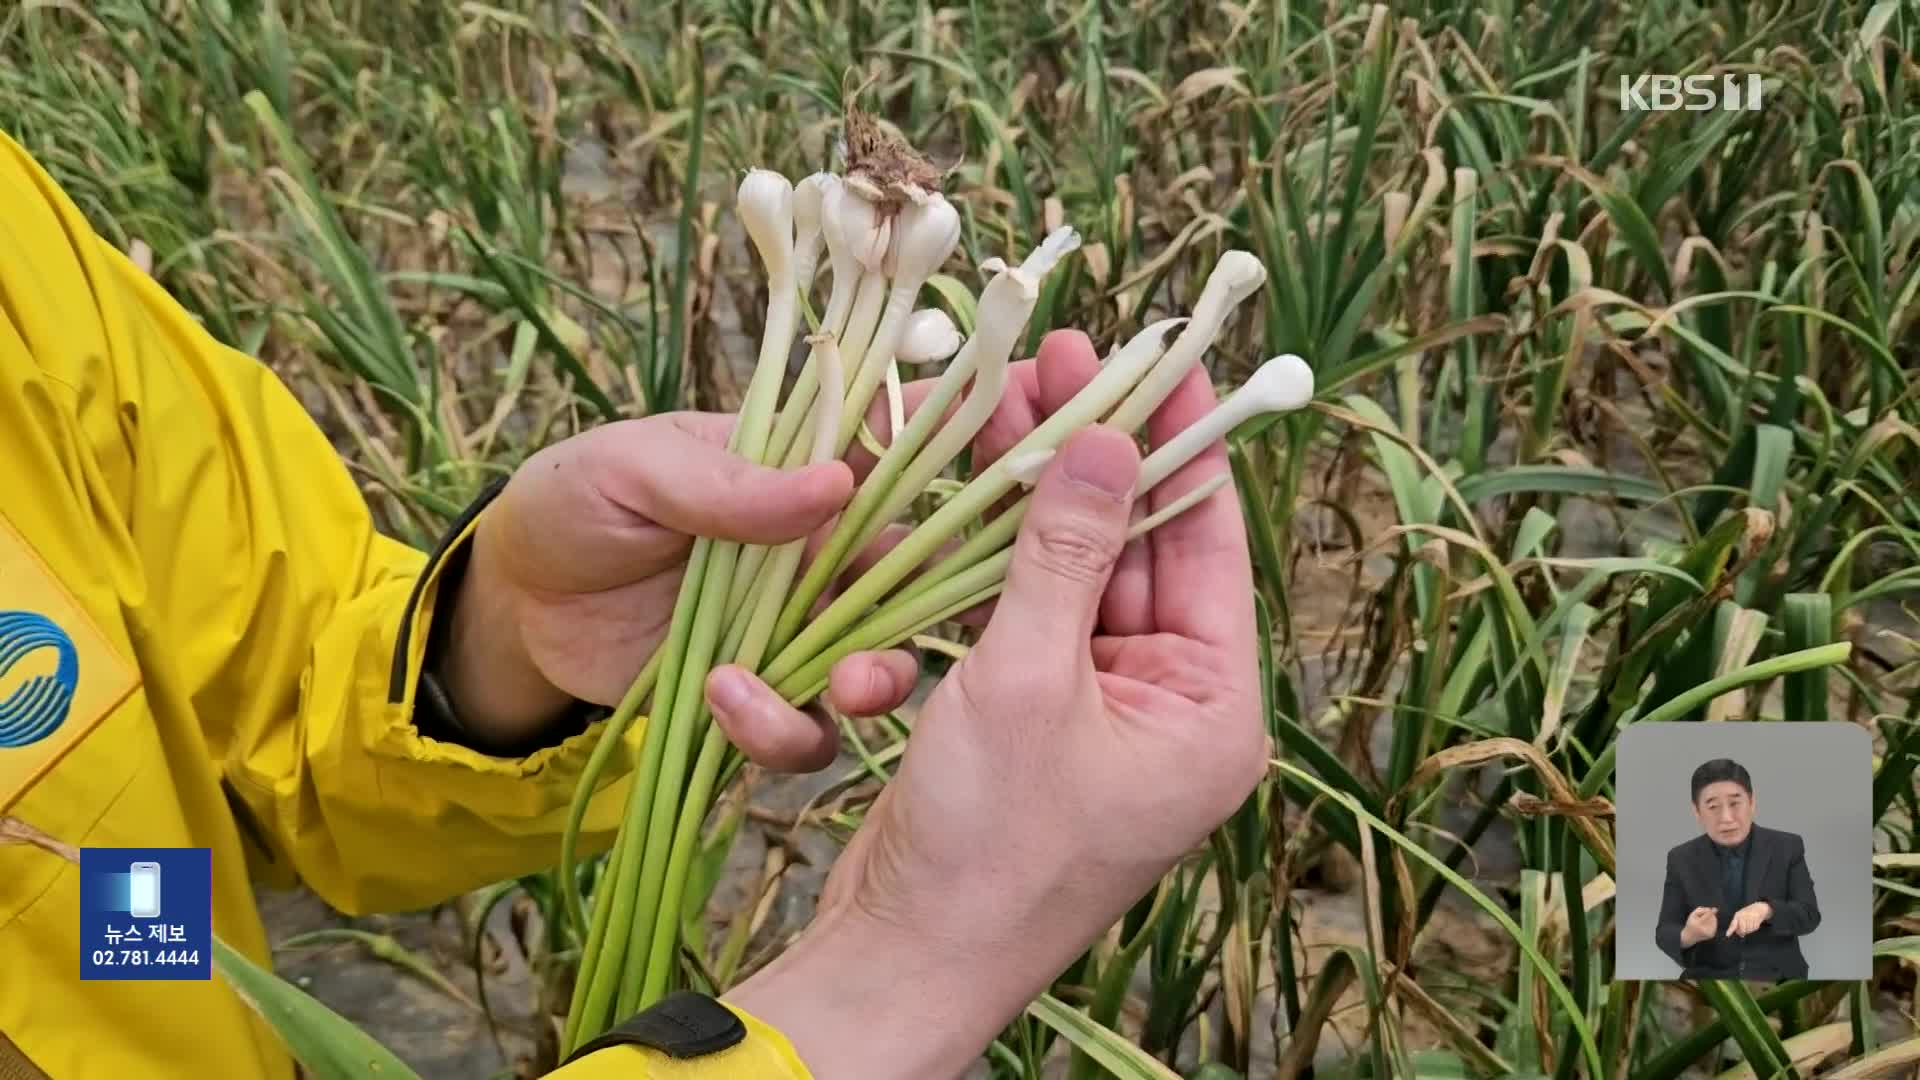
x=923 y=236
x=765 y=204
x=929 y=337
x=858 y=224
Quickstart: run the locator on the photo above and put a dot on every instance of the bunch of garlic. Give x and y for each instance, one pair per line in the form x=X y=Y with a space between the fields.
x=885 y=231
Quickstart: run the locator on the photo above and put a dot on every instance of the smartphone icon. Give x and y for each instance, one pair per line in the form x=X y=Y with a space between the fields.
x=144 y=890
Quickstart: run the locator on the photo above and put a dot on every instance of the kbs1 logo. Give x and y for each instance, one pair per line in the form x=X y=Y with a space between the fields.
x=1694 y=93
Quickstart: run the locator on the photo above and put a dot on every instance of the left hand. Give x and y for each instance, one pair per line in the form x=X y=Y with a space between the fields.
x=1749 y=918
x=576 y=567
x=577 y=564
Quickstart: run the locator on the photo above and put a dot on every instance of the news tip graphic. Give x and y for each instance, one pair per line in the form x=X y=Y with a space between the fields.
x=146 y=913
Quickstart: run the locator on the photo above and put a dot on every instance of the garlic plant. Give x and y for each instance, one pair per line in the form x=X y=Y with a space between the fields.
x=886 y=229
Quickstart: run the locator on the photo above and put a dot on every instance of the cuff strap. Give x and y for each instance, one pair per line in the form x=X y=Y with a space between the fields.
x=684 y=1024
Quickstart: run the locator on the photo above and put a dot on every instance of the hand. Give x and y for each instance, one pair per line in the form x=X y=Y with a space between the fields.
x=1108 y=719
x=1749 y=918
x=577 y=564
x=1701 y=926
x=748 y=710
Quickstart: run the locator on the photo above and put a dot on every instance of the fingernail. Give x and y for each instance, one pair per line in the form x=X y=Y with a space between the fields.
x=728 y=690
x=1095 y=458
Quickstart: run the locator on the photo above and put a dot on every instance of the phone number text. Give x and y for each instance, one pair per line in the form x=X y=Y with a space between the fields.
x=145 y=957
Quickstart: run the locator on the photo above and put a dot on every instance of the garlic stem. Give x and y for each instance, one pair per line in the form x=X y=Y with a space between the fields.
x=611 y=737
x=866 y=356
x=907 y=615
x=790 y=443
x=765 y=205
x=1281 y=385
x=766 y=209
x=1005 y=306
x=870 y=312
x=809 y=198
x=896 y=621
x=824 y=368
x=989 y=380
x=1027 y=467
x=1235 y=277
x=746 y=640
x=869 y=309
x=848 y=222
x=785 y=445
x=1178 y=506
x=661 y=882
x=896 y=399
x=826 y=416
x=1094 y=399
x=1007 y=302
x=857 y=331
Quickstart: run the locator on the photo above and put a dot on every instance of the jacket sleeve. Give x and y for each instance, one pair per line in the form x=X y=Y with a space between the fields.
x=763 y=1054
x=1796 y=911
x=1673 y=915
x=294 y=628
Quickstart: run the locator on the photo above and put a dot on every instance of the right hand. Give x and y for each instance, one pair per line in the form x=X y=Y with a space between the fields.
x=1059 y=730
x=1701 y=925
x=1107 y=721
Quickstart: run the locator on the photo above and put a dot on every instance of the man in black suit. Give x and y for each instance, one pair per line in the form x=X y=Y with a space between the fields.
x=1738 y=896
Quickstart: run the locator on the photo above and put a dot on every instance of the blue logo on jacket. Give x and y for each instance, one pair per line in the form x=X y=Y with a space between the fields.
x=37 y=708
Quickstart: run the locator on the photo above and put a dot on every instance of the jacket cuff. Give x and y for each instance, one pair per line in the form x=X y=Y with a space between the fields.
x=435 y=715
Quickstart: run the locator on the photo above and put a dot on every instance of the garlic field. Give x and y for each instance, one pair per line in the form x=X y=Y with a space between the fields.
x=1551 y=411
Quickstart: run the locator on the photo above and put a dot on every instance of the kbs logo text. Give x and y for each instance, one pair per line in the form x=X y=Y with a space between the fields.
x=1694 y=93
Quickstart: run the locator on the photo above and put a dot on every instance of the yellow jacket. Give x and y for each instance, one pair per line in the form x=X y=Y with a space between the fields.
x=247 y=649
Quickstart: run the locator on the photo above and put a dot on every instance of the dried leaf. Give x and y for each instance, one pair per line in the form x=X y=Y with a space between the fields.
x=1209 y=79
x=1493 y=749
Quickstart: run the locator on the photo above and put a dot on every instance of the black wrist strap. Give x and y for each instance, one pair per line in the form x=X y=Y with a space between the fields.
x=684 y=1024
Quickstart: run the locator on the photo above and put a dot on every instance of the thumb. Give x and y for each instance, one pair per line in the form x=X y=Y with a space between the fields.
x=1068 y=544
x=674 y=474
